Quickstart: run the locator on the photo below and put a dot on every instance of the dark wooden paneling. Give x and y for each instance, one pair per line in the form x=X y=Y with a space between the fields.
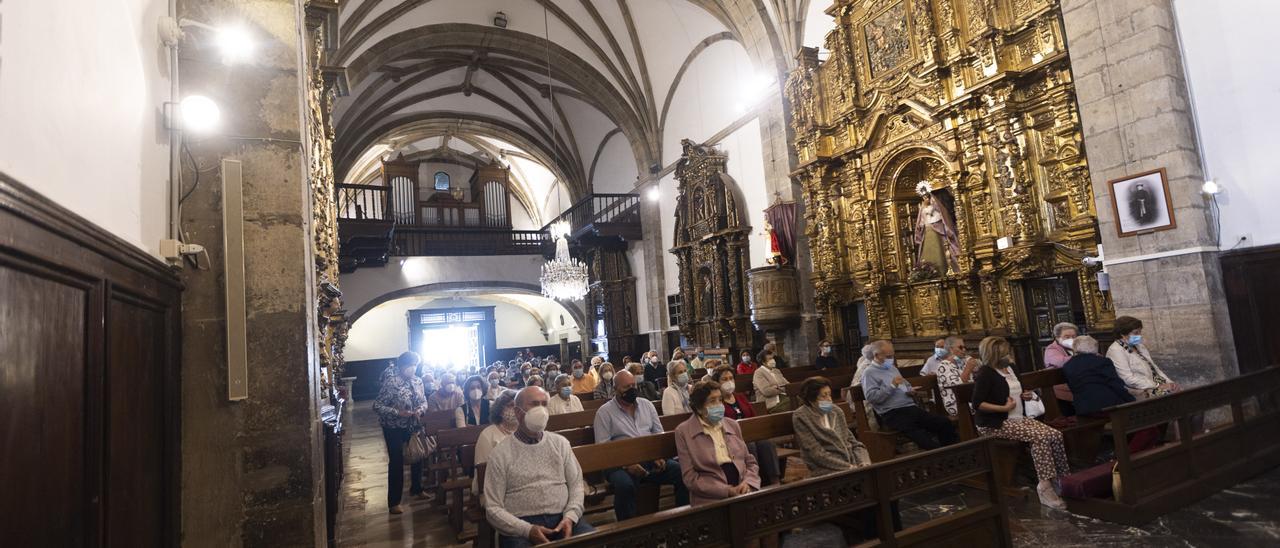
x=1253 y=298
x=89 y=382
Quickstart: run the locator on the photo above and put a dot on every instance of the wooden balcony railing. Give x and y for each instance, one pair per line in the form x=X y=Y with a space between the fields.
x=424 y=241
x=363 y=202
x=601 y=209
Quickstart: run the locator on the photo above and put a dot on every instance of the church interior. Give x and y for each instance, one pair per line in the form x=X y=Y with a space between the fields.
x=797 y=273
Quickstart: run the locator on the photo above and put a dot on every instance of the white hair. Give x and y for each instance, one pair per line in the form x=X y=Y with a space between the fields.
x=869 y=352
x=1058 y=329
x=1085 y=345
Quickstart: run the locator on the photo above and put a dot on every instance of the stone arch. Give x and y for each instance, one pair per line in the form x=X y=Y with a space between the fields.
x=575 y=311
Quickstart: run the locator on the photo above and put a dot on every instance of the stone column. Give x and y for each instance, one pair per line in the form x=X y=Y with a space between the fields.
x=1136 y=117
x=252 y=470
x=654 y=249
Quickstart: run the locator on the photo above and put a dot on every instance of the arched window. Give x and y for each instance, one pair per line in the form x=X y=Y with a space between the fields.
x=442 y=180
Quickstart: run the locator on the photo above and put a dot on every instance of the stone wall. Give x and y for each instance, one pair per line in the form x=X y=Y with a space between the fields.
x=252 y=470
x=1136 y=116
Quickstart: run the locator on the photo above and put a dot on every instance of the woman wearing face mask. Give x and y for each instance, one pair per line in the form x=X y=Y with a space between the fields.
x=495 y=386
x=1134 y=365
x=398 y=406
x=645 y=388
x=675 y=399
x=503 y=423
x=582 y=382
x=475 y=408
x=1056 y=355
x=771 y=385
x=746 y=366
x=825 y=359
x=828 y=446
x=562 y=399
x=604 y=390
x=997 y=405
x=714 y=461
x=449 y=396
x=737 y=407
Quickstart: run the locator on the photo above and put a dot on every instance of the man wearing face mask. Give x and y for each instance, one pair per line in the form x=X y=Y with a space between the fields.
x=562 y=399
x=647 y=389
x=699 y=359
x=653 y=370
x=890 y=397
x=629 y=416
x=939 y=354
x=825 y=359
x=533 y=484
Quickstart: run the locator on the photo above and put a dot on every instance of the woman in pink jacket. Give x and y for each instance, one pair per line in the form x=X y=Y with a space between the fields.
x=714 y=460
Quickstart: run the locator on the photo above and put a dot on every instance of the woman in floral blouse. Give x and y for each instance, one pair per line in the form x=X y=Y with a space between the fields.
x=400 y=402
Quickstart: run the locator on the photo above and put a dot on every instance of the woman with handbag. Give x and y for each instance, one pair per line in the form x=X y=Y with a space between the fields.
x=400 y=402
x=998 y=411
x=1134 y=365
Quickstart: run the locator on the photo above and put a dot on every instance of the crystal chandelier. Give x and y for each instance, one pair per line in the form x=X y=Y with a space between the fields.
x=563 y=278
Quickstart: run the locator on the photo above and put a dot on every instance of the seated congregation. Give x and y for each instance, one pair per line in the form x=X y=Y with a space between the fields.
x=530 y=452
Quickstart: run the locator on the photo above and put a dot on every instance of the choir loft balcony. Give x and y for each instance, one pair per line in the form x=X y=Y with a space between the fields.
x=395 y=216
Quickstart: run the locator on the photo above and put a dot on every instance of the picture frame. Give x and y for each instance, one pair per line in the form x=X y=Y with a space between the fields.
x=1142 y=203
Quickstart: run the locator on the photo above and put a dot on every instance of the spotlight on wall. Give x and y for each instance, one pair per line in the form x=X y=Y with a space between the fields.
x=1211 y=188
x=199 y=114
x=235 y=43
x=654 y=194
x=1004 y=243
x=500 y=20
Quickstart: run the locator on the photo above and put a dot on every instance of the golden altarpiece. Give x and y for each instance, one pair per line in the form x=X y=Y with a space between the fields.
x=972 y=104
x=712 y=251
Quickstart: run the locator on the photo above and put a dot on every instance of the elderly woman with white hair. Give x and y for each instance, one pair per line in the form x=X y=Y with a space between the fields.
x=1056 y=355
x=675 y=398
x=1096 y=385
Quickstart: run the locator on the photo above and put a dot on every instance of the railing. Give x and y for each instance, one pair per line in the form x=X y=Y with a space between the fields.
x=600 y=209
x=420 y=241
x=363 y=202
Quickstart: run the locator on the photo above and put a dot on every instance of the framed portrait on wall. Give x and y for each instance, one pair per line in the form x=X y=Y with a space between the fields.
x=1142 y=203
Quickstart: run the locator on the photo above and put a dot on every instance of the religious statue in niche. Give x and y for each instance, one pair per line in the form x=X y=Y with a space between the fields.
x=937 y=245
x=776 y=258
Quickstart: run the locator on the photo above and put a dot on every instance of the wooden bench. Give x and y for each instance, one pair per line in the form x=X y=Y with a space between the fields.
x=762 y=516
x=881 y=442
x=1200 y=463
x=596 y=458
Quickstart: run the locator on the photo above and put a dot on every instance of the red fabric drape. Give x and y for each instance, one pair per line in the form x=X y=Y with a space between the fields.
x=782 y=216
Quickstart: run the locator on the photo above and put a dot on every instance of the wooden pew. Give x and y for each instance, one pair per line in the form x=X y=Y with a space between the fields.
x=762 y=516
x=1200 y=463
x=596 y=458
x=882 y=443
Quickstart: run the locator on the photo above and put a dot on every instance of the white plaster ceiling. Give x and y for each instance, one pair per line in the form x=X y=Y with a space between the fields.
x=616 y=71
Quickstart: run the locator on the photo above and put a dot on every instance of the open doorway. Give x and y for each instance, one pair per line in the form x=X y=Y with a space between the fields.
x=456 y=339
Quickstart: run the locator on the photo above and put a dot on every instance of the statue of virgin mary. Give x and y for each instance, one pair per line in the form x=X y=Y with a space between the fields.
x=935 y=234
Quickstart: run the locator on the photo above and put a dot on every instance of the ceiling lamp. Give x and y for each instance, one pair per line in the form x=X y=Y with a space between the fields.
x=563 y=278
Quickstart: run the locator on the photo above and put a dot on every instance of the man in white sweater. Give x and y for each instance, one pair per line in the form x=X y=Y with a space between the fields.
x=533 y=483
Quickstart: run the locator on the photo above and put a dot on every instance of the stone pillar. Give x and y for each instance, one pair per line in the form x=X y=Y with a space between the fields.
x=252 y=470
x=654 y=249
x=1136 y=117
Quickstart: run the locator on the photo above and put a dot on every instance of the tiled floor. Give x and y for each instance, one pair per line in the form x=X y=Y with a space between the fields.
x=1244 y=516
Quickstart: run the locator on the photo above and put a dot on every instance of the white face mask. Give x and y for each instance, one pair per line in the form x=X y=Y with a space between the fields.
x=727 y=387
x=536 y=419
x=771 y=364
x=1068 y=344
x=476 y=393
x=608 y=375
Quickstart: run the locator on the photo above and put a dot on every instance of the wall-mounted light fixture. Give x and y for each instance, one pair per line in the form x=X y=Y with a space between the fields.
x=500 y=20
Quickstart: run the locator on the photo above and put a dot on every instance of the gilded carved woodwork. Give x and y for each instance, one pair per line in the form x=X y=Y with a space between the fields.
x=323 y=87
x=975 y=98
x=711 y=250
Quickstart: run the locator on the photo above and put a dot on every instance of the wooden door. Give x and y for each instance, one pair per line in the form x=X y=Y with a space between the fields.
x=1050 y=301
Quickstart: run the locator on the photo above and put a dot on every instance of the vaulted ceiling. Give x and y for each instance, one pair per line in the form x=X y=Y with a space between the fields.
x=437 y=78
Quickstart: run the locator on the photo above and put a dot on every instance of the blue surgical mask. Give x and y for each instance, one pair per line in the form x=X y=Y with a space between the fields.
x=702 y=355
x=566 y=391
x=888 y=362
x=577 y=373
x=826 y=405
x=1135 y=340
x=682 y=378
x=715 y=414
x=940 y=353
